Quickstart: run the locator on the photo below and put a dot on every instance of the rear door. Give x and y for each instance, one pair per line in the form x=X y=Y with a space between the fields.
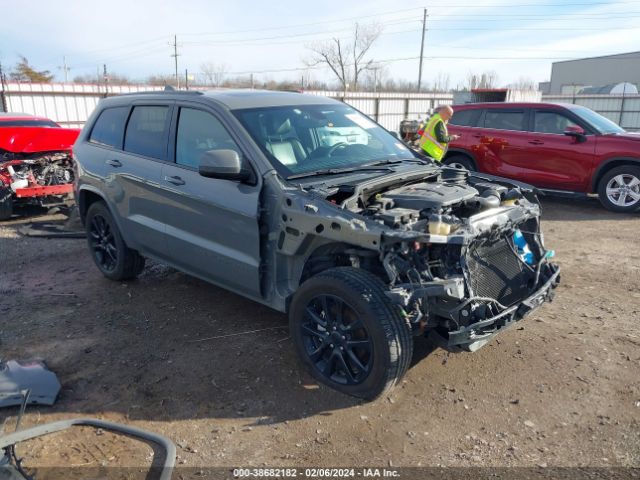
x=554 y=160
x=502 y=141
x=212 y=224
x=133 y=173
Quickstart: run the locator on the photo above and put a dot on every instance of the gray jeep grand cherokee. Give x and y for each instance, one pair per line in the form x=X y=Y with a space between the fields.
x=306 y=205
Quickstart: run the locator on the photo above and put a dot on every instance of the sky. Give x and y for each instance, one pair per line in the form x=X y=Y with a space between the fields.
x=272 y=39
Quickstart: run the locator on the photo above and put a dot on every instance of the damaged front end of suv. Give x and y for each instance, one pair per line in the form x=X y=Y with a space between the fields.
x=462 y=255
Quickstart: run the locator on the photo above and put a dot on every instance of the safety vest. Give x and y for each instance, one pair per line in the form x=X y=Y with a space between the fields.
x=428 y=141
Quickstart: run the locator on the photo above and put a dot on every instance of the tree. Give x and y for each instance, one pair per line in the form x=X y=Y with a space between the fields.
x=113 y=78
x=487 y=79
x=23 y=72
x=524 y=83
x=161 y=79
x=441 y=82
x=347 y=58
x=213 y=73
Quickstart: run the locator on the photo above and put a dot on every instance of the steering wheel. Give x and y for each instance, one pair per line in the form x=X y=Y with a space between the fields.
x=337 y=146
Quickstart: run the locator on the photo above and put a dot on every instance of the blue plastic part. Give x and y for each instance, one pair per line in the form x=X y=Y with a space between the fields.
x=524 y=252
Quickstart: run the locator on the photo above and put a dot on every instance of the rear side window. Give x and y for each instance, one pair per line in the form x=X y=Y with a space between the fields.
x=465 y=118
x=504 y=119
x=109 y=127
x=147 y=131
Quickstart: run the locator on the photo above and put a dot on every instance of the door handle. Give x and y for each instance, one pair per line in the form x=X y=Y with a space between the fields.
x=174 y=180
x=114 y=163
x=536 y=142
x=476 y=136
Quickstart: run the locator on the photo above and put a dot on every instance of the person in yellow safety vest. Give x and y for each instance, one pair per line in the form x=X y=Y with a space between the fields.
x=435 y=139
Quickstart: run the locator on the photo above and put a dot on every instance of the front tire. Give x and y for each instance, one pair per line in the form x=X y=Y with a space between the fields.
x=111 y=255
x=460 y=161
x=619 y=189
x=348 y=334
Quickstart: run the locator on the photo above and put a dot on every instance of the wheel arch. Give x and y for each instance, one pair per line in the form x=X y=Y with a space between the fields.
x=608 y=165
x=461 y=151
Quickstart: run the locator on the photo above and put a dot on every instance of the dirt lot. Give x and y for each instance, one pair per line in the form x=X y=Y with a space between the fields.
x=560 y=389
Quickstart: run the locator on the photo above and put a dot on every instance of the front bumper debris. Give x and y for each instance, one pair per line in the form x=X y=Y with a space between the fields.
x=476 y=335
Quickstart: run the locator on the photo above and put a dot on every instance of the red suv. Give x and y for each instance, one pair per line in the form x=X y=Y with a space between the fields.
x=560 y=148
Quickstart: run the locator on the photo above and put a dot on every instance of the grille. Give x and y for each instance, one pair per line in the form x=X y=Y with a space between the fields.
x=496 y=272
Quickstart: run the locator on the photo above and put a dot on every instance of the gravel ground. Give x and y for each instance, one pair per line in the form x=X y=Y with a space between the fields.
x=560 y=389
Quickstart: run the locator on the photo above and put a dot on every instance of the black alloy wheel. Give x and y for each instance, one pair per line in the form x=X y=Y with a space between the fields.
x=336 y=340
x=103 y=244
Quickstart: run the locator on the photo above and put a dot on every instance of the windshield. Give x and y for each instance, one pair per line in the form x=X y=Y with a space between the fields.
x=601 y=124
x=306 y=138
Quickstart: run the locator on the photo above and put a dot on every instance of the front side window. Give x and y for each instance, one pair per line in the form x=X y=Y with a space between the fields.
x=551 y=122
x=306 y=138
x=199 y=132
x=109 y=127
x=504 y=119
x=146 y=131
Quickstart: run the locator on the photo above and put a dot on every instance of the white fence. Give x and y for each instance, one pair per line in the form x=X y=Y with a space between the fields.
x=71 y=104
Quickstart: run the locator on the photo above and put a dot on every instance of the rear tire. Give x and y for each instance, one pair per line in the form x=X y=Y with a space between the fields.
x=619 y=189
x=460 y=161
x=6 y=203
x=348 y=333
x=111 y=255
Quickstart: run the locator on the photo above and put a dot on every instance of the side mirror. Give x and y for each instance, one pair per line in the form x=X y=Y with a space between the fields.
x=576 y=132
x=223 y=164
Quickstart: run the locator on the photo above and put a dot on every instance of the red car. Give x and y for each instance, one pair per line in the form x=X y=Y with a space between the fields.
x=561 y=148
x=35 y=162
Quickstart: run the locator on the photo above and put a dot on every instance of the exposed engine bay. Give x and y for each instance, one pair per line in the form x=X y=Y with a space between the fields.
x=42 y=179
x=464 y=254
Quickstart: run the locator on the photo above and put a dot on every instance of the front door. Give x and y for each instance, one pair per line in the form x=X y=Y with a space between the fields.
x=555 y=160
x=211 y=224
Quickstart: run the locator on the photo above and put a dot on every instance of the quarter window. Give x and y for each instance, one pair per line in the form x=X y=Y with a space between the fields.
x=109 y=127
x=504 y=120
x=199 y=132
x=551 y=122
x=146 y=131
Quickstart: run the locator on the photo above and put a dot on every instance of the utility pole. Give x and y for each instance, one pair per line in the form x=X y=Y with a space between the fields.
x=175 y=56
x=3 y=100
x=424 y=28
x=186 y=79
x=106 y=80
x=65 y=69
x=252 y=81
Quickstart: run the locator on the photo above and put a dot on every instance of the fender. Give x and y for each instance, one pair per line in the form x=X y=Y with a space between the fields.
x=610 y=163
x=82 y=209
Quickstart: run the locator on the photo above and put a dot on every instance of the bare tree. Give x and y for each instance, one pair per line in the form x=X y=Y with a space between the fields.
x=441 y=82
x=214 y=73
x=347 y=58
x=524 y=83
x=487 y=79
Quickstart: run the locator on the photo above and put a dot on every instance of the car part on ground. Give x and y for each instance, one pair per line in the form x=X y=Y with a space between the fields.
x=70 y=228
x=12 y=468
x=307 y=206
x=16 y=377
x=36 y=166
